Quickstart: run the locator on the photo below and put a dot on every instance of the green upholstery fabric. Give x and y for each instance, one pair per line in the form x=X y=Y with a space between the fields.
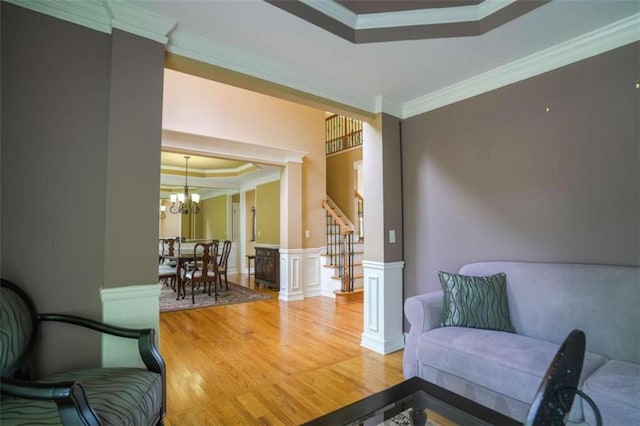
x=120 y=396
x=16 y=327
x=475 y=302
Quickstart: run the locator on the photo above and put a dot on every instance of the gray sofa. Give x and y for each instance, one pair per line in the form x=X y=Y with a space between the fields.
x=546 y=301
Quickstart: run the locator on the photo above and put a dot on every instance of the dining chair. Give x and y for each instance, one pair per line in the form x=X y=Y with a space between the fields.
x=205 y=271
x=222 y=264
x=167 y=269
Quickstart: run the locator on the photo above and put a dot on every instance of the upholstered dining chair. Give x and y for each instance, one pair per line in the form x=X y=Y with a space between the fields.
x=205 y=271
x=167 y=271
x=223 y=262
x=94 y=396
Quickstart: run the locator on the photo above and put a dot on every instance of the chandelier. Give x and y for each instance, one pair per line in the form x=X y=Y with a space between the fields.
x=181 y=203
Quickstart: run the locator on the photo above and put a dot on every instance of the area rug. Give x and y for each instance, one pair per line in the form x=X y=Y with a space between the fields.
x=235 y=294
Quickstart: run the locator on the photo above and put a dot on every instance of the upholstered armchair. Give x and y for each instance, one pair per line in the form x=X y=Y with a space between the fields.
x=98 y=396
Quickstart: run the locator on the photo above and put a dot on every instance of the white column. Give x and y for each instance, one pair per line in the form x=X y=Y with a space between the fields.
x=291 y=274
x=383 y=316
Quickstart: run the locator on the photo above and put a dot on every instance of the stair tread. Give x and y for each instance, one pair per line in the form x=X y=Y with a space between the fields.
x=355 y=276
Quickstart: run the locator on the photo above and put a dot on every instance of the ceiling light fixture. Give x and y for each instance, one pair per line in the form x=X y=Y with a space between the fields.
x=180 y=203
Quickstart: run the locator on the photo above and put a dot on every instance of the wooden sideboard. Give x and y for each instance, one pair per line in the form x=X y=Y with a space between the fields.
x=267 y=267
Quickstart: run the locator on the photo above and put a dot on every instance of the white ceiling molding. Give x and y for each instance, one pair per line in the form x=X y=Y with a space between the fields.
x=139 y=21
x=234 y=171
x=334 y=10
x=252 y=184
x=105 y=15
x=190 y=143
x=387 y=106
x=602 y=40
x=405 y=18
x=219 y=54
x=440 y=15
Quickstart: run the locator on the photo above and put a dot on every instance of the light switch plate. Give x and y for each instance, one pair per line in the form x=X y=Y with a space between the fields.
x=392 y=236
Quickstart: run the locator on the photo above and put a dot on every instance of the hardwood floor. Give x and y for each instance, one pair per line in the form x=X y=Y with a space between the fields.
x=268 y=362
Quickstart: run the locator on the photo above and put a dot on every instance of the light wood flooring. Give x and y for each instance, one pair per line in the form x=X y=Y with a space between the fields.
x=268 y=362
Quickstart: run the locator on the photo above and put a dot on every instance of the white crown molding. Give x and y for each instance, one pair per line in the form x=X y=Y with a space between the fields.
x=333 y=10
x=190 y=143
x=236 y=170
x=105 y=15
x=139 y=21
x=252 y=184
x=599 y=41
x=405 y=18
x=387 y=106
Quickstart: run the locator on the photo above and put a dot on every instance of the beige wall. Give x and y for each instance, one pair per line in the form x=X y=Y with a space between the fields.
x=198 y=106
x=268 y=213
x=341 y=180
x=214 y=218
x=170 y=225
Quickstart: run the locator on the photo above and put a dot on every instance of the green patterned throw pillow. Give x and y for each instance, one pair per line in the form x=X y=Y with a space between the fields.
x=475 y=302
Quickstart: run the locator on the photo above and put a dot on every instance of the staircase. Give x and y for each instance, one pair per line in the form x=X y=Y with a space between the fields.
x=342 y=265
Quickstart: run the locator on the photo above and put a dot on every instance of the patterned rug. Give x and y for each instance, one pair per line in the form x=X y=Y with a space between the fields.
x=235 y=294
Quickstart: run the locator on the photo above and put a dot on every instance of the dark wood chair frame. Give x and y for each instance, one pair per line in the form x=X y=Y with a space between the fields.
x=222 y=264
x=70 y=397
x=206 y=266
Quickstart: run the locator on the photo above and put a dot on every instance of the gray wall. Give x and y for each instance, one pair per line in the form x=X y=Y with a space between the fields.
x=392 y=186
x=496 y=177
x=65 y=135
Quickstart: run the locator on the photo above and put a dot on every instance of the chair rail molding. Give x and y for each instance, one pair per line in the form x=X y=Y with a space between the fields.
x=135 y=306
x=383 y=304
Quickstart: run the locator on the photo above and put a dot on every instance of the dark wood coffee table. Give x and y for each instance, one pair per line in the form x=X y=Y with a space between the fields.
x=424 y=399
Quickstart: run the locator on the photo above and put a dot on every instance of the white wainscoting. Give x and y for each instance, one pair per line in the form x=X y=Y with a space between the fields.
x=311 y=267
x=383 y=307
x=291 y=274
x=300 y=273
x=135 y=306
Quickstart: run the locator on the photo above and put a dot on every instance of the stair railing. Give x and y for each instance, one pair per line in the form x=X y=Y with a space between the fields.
x=360 y=211
x=340 y=247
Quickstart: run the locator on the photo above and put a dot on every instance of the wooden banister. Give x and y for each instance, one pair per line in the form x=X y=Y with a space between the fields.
x=340 y=247
x=344 y=228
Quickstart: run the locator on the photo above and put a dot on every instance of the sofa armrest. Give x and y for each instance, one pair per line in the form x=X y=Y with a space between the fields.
x=424 y=311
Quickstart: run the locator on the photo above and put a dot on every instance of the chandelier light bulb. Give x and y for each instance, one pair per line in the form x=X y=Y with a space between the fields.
x=183 y=203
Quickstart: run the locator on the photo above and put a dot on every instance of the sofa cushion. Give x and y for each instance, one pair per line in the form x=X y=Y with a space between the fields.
x=476 y=302
x=507 y=363
x=615 y=388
